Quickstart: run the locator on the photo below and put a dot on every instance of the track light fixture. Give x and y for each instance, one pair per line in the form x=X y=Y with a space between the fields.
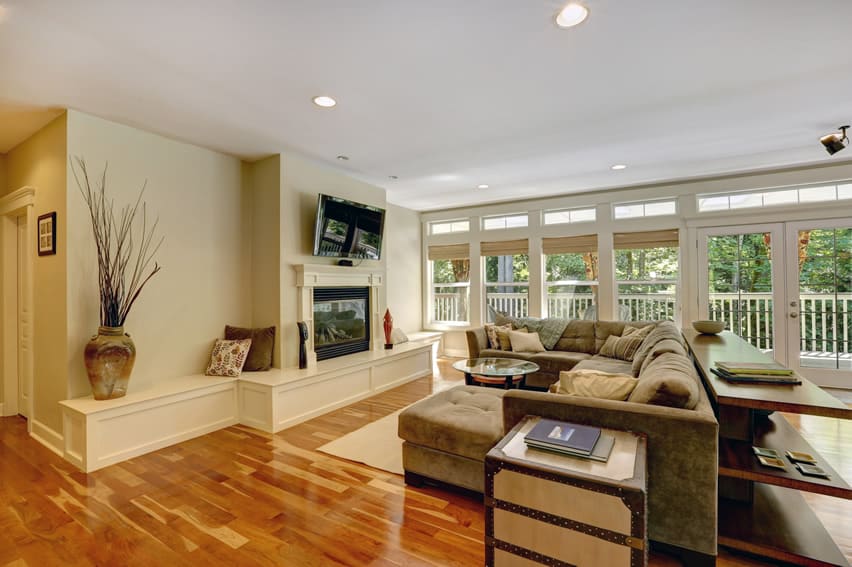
x=835 y=141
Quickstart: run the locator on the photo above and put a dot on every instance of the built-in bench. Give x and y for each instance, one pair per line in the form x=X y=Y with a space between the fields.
x=104 y=432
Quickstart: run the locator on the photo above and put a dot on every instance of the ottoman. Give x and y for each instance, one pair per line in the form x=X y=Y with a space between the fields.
x=446 y=436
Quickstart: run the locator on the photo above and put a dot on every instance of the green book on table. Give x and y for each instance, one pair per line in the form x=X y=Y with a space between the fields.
x=765 y=368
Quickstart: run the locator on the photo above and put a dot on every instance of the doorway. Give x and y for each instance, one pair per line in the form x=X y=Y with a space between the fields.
x=787 y=289
x=16 y=302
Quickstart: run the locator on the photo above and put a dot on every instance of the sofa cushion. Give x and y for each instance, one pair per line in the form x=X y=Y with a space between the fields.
x=670 y=380
x=625 y=346
x=554 y=361
x=603 y=329
x=494 y=353
x=578 y=336
x=663 y=330
x=525 y=342
x=662 y=347
x=466 y=421
x=595 y=384
x=605 y=364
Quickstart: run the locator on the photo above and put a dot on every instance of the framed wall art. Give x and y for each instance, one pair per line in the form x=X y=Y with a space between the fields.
x=47 y=234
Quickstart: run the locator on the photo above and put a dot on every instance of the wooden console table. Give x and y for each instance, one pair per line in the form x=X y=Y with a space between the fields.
x=761 y=510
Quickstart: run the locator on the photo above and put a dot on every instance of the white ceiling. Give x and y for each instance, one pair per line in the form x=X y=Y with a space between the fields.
x=448 y=94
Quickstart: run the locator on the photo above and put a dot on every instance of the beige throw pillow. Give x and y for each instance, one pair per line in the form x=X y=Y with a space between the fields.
x=503 y=337
x=625 y=346
x=525 y=342
x=591 y=383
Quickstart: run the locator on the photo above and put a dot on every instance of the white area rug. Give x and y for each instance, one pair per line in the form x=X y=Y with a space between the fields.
x=376 y=444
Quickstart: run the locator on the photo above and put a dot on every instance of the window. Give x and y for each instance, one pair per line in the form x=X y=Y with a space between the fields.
x=507 y=278
x=448 y=227
x=645 y=209
x=772 y=197
x=450 y=273
x=565 y=216
x=571 y=274
x=646 y=273
x=505 y=221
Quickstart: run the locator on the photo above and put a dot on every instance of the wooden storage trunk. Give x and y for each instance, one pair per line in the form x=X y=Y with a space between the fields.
x=546 y=508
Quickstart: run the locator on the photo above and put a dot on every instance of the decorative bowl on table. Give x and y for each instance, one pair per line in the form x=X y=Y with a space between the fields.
x=709 y=327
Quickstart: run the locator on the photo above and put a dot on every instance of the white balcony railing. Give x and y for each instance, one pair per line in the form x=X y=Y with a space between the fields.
x=825 y=320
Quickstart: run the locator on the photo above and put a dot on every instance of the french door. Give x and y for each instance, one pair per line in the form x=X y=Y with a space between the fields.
x=787 y=289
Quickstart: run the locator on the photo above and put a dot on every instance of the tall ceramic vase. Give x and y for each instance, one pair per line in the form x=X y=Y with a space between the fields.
x=109 y=361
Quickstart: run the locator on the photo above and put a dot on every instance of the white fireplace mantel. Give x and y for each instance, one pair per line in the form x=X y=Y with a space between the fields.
x=309 y=276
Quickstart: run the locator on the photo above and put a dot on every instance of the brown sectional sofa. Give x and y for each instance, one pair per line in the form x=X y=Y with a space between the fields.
x=682 y=441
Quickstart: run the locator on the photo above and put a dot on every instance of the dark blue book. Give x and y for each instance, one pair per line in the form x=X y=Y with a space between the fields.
x=559 y=434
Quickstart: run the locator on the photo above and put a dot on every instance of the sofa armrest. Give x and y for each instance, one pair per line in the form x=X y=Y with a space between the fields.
x=682 y=457
x=477 y=341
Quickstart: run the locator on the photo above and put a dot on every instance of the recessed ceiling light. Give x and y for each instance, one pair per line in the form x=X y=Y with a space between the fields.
x=571 y=15
x=618 y=166
x=483 y=186
x=324 y=101
x=343 y=158
x=392 y=177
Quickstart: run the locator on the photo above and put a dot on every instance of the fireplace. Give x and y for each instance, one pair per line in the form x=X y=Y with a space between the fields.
x=341 y=318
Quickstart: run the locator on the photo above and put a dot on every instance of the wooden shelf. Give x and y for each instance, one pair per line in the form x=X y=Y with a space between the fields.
x=737 y=460
x=779 y=524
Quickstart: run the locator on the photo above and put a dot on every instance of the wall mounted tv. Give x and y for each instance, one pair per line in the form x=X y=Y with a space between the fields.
x=345 y=229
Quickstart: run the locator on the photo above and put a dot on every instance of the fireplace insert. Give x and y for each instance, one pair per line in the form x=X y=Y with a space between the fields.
x=341 y=321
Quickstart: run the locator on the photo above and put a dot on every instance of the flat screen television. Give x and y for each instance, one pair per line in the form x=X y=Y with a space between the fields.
x=345 y=229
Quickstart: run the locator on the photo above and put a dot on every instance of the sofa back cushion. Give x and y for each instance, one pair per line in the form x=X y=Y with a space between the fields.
x=663 y=346
x=670 y=380
x=578 y=336
x=663 y=330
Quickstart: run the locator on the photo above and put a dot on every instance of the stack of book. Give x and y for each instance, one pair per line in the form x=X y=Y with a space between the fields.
x=570 y=439
x=756 y=373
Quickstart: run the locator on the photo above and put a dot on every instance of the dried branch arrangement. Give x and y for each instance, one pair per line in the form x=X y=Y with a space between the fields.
x=122 y=261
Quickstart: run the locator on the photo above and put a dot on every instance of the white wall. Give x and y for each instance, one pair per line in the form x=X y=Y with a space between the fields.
x=205 y=282
x=262 y=182
x=301 y=183
x=40 y=162
x=404 y=265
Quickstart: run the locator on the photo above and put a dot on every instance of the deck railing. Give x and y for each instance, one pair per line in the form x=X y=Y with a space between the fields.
x=825 y=319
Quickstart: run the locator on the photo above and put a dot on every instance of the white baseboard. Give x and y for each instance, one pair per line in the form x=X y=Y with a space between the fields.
x=47 y=437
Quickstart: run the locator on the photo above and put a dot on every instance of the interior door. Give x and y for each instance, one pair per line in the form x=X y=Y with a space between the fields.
x=819 y=300
x=24 y=325
x=741 y=277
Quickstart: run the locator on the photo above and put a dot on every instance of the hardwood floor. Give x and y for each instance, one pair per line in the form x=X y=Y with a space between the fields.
x=242 y=497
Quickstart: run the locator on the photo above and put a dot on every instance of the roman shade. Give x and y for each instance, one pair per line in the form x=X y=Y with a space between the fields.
x=505 y=247
x=570 y=244
x=449 y=252
x=649 y=239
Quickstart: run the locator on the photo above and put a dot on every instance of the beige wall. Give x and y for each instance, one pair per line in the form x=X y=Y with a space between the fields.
x=40 y=162
x=4 y=188
x=262 y=183
x=402 y=249
x=301 y=182
x=205 y=282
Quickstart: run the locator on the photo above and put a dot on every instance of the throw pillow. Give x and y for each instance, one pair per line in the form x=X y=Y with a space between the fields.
x=591 y=383
x=228 y=357
x=625 y=346
x=525 y=342
x=262 y=343
x=491 y=332
x=503 y=337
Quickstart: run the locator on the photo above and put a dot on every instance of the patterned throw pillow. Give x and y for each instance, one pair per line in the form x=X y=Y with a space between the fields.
x=491 y=332
x=228 y=357
x=625 y=346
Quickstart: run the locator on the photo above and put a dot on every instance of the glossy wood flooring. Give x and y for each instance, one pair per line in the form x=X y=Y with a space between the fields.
x=242 y=497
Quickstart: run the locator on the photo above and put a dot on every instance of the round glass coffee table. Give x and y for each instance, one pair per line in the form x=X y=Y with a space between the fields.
x=509 y=372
